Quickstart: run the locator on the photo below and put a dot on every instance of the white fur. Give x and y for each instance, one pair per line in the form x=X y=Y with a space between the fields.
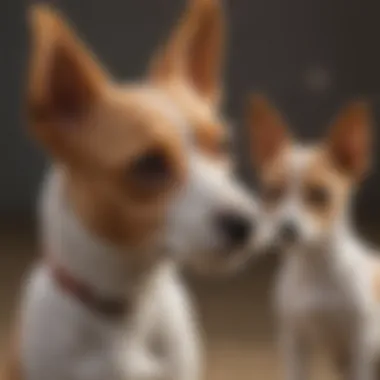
x=324 y=291
x=325 y=295
x=63 y=340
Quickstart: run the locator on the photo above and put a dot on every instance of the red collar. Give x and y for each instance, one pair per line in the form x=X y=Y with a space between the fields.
x=112 y=308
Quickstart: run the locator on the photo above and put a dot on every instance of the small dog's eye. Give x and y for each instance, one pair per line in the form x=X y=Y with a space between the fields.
x=317 y=196
x=152 y=167
x=273 y=194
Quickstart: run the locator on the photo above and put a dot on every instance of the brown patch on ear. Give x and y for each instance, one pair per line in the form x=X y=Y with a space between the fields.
x=65 y=81
x=268 y=132
x=194 y=51
x=350 y=139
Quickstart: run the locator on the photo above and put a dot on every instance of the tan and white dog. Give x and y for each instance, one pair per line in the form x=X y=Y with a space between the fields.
x=328 y=287
x=140 y=183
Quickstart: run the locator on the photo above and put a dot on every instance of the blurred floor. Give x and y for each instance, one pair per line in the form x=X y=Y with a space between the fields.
x=236 y=315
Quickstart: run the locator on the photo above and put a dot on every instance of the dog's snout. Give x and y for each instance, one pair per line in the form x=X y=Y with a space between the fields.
x=289 y=232
x=236 y=227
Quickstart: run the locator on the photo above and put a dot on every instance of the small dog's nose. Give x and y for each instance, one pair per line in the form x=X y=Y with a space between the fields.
x=236 y=227
x=289 y=233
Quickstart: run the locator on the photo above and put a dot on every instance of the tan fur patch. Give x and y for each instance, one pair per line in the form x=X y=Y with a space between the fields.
x=322 y=174
x=274 y=177
x=103 y=192
x=209 y=131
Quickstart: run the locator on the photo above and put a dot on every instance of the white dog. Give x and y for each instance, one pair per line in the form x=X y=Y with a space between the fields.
x=328 y=290
x=140 y=183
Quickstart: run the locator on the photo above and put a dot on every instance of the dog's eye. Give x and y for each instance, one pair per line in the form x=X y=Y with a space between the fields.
x=317 y=196
x=273 y=194
x=151 y=168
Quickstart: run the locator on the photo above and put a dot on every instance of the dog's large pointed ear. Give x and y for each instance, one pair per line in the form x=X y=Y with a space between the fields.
x=349 y=142
x=65 y=81
x=268 y=132
x=194 y=51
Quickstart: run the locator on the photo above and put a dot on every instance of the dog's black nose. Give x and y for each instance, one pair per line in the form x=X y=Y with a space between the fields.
x=236 y=227
x=289 y=233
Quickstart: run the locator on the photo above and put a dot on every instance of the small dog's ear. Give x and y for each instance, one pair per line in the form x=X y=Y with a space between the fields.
x=350 y=139
x=64 y=79
x=194 y=52
x=268 y=132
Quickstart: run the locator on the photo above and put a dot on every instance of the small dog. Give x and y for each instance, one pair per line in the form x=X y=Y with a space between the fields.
x=328 y=289
x=140 y=184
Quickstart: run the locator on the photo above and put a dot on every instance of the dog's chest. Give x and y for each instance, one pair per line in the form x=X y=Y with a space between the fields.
x=61 y=339
x=326 y=312
x=322 y=302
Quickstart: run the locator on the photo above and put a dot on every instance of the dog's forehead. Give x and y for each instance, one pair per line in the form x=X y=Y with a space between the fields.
x=290 y=164
x=205 y=122
x=196 y=123
x=311 y=164
x=155 y=103
x=150 y=113
x=299 y=160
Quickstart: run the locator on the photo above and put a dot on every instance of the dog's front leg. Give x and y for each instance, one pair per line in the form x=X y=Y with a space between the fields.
x=137 y=360
x=295 y=353
x=140 y=364
x=179 y=335
x=360 y=364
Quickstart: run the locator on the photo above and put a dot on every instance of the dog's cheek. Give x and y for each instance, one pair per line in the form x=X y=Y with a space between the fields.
x=313 y=227
x=323 y=220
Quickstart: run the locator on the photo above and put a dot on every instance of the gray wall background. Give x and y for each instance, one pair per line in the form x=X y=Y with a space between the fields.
x=308 y=55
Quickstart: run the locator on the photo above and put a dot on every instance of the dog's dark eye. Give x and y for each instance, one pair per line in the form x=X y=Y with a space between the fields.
x=317 y=196
x=153 y=167
x=273 y=194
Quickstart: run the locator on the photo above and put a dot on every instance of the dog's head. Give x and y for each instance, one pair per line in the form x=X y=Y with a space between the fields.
x=146 y=163
x=307 y=190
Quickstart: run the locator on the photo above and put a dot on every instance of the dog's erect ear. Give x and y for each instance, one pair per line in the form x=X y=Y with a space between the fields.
x=194 y=51
x=65 y=81
x=350 y=139
x=268 y=133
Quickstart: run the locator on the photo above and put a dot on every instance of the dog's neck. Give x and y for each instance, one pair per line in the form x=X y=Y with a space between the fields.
x=65 y=240
x=339 y=246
